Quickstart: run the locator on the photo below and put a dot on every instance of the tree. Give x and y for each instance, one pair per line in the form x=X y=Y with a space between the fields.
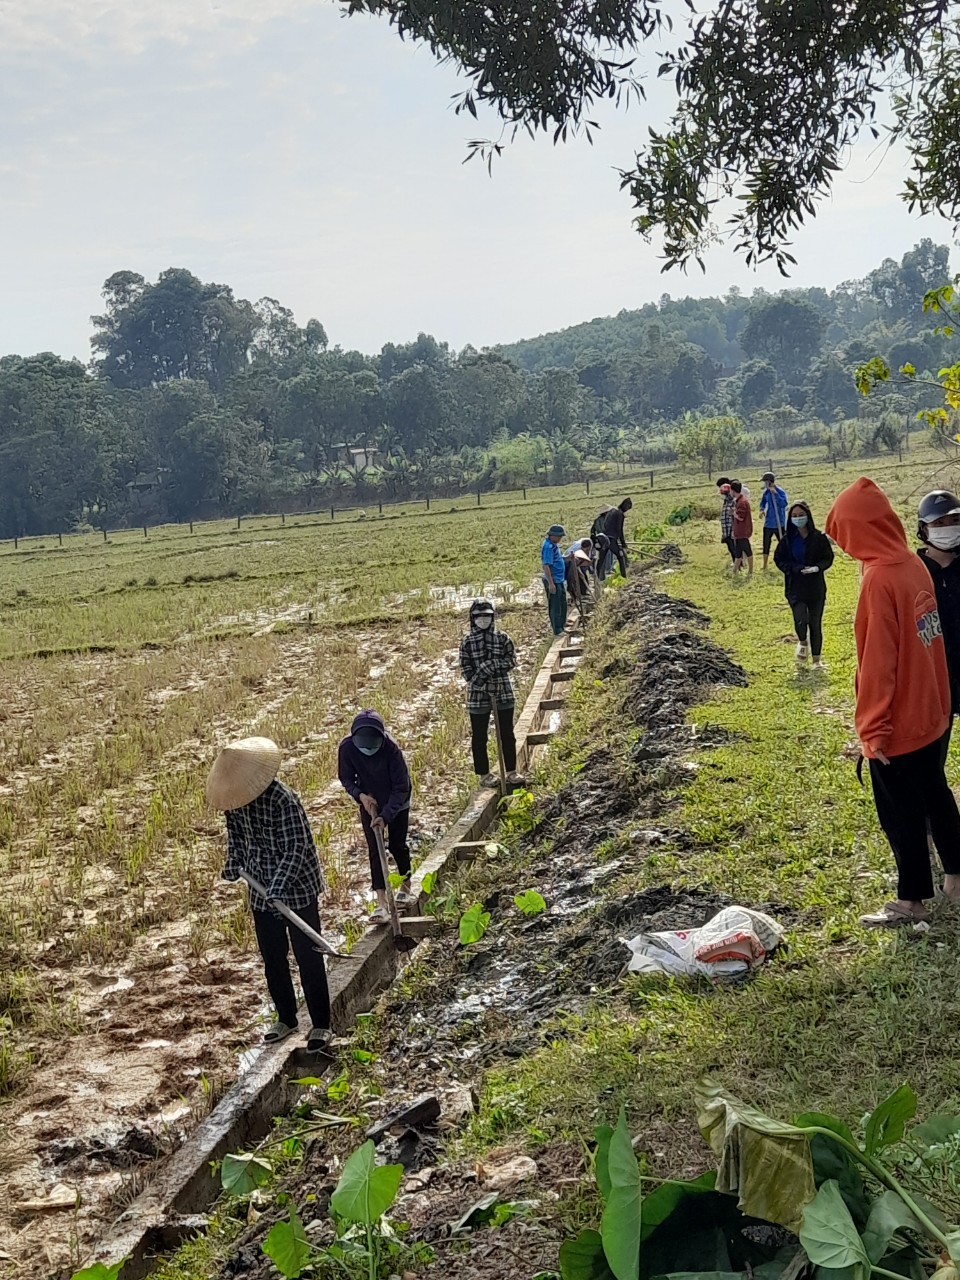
x=711 y=442
x=176 y=328
x=771 y=97
x=784 y=331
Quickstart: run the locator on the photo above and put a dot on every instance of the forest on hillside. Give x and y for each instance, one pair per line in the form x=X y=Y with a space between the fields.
x=198 y=403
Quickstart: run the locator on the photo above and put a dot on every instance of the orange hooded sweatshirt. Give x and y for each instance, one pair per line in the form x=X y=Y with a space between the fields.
x=903 y=691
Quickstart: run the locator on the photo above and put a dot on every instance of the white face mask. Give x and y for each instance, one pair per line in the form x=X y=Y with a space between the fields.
x=484 y=621
x=946 y=538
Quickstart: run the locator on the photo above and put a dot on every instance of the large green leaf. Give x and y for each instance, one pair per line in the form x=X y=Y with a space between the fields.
x=659 y=1204
x=936 y=1130
x=820 y=1120
x=473 y=924
x=620 y=1224
x=887 y=1123
x=889 y=1216
x=601 y=1160
x=765 y=1162
x=244 y=1173
x=953 y=1247
x=584 y=1259
x=288 y=1247
x=99 y=1271
x=701 y=1275
x=366 y=1190
x=829 y=1234
x=830 y=1160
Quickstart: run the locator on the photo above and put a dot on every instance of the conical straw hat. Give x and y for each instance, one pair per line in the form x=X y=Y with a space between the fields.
x=241 y=772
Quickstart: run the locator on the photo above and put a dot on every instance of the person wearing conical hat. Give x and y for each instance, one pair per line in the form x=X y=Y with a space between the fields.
x=269 y=837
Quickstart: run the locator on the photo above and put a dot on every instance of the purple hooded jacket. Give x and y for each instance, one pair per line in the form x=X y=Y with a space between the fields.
x=384 y=776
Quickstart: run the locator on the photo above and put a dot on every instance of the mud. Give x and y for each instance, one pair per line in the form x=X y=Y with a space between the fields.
x=498 y=1000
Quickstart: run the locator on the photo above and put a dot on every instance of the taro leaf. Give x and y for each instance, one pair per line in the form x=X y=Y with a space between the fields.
x=765 y=1162
x=584 y=1259
x=620 y=1224
x=428 y=883
x=601 y=1160
x=886 y=1124
x=820 y=1120
x=99 y=1271
x=288 y=1247
x=701 y=1275
x=659 y=1204
x=831 y=1161
x=239 y=1175
x=936 y=1130
x=366 y=1190
x=888 y=1216
x=479 y=1213
x=953 y=1247
x=530 y=902
x=473 y=924
x=705 y=1232
x=829 y=1235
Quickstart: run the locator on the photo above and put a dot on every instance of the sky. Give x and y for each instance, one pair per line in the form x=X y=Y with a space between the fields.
x=285 y=150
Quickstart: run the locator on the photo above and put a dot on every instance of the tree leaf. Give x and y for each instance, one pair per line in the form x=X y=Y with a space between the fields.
x=886 y=1124
x=659 y=1204
x=767 y=1163
x=831 y=1161
x=601 y=1160
x=829 y=1235
x=584 y=1259
x=366 y=1190
x=473 y=924
x=288 y=1247
x=888 y=1217
x=820 y=1120
x=936 y=1130
x=239 y=1175
x=620 y=1224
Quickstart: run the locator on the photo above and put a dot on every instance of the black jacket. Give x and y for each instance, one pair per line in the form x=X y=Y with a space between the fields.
x=804 y=588
x=946 y=582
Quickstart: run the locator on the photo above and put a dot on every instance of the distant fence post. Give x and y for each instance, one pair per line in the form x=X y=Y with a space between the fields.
x=428 y=502
x=380 y=505
x=478 y=495
x=588 y=486
x=144 y=530
x=104 y=533
x=283 y=517
x=651 y=479
x=524 y=495
x=769 y=464
x=60 y=538
x=331 y=514
x=191 y=526
x=16 y=542
x=238 y=522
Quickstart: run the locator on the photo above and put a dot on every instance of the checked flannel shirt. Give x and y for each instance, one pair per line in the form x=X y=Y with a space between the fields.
x=486 y=660
x=270 y=838
x=726 y=517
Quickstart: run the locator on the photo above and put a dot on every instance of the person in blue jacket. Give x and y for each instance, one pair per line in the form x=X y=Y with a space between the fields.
x=773 y=508
x=374 y=773
x=554 y=574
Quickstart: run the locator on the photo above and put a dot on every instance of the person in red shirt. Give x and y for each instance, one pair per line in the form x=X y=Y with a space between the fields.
x=742 y=528
x=902 y=699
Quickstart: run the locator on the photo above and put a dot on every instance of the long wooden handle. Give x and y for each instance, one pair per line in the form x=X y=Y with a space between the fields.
x=387 y=886
x=319 y=942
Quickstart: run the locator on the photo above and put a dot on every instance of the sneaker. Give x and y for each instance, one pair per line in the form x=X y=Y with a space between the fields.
x=801 y=653
x=516 y=779
x=489 y=780
x=380 y=916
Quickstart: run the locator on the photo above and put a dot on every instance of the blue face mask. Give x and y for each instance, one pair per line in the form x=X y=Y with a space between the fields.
x=369 y=751
x=800 y=521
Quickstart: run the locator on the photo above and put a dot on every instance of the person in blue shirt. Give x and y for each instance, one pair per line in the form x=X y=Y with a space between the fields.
x=554 y=575
x=773 y=508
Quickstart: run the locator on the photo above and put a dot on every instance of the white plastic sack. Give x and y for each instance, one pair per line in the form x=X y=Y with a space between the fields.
x=735 y=941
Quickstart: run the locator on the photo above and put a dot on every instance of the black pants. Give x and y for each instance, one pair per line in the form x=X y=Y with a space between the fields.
x=731 y=546
x=479 y=732
x=396 y=843
x=910 y=792
x=809 y=614
x=619 y=550
x=273 y=935
x=768 y=537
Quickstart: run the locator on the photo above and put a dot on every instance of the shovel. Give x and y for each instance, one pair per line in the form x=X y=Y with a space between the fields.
x=496 y=728
x=400 y=941
x=320 y=943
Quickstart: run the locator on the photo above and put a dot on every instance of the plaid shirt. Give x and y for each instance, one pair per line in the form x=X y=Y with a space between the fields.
x=270 y=838
x=726 y=517
x=486 y=659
